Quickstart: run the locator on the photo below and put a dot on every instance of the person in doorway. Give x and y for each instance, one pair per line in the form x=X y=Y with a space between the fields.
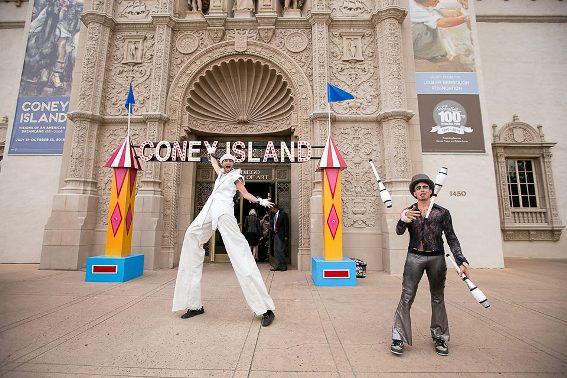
x=280 y=228
x=219 y=212
x=253 y=232
x=425 y=253
x=265 y=239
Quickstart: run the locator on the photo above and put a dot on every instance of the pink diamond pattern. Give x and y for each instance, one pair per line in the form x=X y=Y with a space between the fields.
x=133 y=173
x=332 y=177
x=116 y=219
x=120 y=174
x=333 y=221
x=128 y=219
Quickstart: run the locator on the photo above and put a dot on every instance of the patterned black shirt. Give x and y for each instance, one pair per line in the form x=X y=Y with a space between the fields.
x=428 y=232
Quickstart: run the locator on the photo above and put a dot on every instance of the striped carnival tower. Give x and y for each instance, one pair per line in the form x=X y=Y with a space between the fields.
x=118 y=265
x=332 y=269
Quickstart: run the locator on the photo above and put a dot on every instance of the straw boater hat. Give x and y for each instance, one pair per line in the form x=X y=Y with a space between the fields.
x=227 y=157
x=420 y=177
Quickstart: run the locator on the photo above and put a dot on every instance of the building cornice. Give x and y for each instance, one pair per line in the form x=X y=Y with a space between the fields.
x=542 y=19
x=12 y=24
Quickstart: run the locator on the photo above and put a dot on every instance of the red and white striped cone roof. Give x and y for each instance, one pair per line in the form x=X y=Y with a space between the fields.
x=331 y=157
x=124 y=156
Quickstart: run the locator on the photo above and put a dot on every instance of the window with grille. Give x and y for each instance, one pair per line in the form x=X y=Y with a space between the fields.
x=526 y=190
x=522 y=190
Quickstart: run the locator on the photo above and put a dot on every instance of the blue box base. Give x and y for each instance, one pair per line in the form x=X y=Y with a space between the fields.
x=118 y=269
x=322 y=270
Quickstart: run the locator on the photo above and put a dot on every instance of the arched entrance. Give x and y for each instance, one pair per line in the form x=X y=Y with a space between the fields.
x=265 y=180
x=244 y=97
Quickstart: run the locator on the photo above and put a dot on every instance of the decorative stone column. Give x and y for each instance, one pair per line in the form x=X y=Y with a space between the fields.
x=394 y=120
x=68 y=235
x=319 y=18
x=152 y=230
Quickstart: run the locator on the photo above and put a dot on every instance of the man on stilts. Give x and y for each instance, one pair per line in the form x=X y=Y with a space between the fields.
x=219 y=212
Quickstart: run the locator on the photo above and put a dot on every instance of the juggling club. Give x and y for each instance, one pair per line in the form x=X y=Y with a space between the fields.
x=384 y=194
x=439 y=181
x=475 y=291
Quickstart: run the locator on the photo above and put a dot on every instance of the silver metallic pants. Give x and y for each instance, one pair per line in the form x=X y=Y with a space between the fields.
x=436 y=270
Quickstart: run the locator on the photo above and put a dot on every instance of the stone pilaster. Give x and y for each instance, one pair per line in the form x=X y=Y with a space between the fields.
x=68 y=235
x=320 y=36
x=319 y=18
x=320 y=122
x=153 y=220
x=394 y=120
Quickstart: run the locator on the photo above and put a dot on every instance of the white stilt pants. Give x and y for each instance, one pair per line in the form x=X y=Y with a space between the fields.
x=187 y=293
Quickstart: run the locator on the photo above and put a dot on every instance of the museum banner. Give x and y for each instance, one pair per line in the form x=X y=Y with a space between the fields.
x=45 y=84
x=446 y=78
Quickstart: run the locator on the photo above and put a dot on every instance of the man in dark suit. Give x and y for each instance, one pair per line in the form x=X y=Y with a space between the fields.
x=280 y=228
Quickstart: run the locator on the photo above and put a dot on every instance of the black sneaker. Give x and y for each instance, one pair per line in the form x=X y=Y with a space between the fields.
x=397 y=347
x=191 y=313
x=267 y=318
x=441 y=347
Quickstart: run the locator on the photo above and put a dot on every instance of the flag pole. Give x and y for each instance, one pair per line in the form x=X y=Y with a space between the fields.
x=129 y=112
x=329 y=123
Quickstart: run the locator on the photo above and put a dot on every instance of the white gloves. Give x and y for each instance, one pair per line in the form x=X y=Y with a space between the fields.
x=211 y=150
x=263 y=202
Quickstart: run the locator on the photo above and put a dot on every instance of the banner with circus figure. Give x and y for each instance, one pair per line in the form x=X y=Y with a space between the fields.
x=45 y=85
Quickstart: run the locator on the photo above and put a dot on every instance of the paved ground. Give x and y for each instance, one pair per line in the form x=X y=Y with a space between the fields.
x=52 y=323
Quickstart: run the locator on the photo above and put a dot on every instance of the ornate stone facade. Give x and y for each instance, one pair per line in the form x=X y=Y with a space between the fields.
x=173 y=54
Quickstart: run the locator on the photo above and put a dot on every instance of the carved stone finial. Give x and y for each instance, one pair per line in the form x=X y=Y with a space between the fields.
x=540 y=131
x=515 y=118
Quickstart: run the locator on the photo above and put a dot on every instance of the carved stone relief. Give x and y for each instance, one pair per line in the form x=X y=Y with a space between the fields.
x=134 y=10
x=235 y=35
x=298 y=44
x=187 y=43
x=133 y=49
x=351 y=8
x=120 y=75
x=356 y=76
x=360 y=203
x=185 y=47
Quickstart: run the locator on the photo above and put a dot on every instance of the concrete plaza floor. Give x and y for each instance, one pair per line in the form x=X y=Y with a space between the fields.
x=54 y=324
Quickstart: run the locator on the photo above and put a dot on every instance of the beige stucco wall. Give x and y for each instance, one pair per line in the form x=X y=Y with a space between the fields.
x=27 y=183
x=524 y=66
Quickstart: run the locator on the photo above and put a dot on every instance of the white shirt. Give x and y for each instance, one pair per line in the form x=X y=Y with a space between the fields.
x=425 y=15
x=220 y=201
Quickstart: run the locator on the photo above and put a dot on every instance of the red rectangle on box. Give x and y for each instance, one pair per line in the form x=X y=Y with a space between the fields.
x=105 y=268
x=338 y=273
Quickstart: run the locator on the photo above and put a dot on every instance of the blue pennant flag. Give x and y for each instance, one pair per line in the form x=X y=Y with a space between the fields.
x=129 y=104
x=335 y=94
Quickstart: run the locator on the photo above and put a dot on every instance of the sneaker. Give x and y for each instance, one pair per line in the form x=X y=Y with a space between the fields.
x=268 y=318
x=397 y=347
x=191 y=313
x=441 y=347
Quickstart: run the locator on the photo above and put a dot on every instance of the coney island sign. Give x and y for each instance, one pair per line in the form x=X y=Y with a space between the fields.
x=250 y=152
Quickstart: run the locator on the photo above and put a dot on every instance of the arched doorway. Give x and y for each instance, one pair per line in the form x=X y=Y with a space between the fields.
x=273 y=103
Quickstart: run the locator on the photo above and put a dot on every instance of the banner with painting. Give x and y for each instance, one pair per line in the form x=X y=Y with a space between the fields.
x=45 y=85
x=446 y=78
